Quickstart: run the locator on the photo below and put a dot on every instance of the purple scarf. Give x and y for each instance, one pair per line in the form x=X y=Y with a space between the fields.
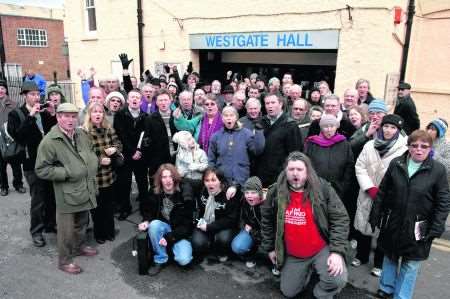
x=321 y=141
x=207 y=130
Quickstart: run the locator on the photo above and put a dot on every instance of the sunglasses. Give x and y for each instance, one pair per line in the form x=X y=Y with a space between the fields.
x=421 y=146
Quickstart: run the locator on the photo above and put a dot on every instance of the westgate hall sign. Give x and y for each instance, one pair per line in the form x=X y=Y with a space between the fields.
x=314 y=39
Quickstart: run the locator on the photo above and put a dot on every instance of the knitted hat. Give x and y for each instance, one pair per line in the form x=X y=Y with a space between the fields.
x=55 y=88
x=253 y=184
x=29 y=86
x=172 y=84
x=440 y=125
x=182 y=138
x=393 y=119
x=228 y=89
x=114 y=94
x=329 y=120
x=377 y=105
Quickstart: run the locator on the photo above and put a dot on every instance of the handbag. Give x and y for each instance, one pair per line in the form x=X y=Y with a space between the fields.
x=9 y=148
x=143 y=252
x=117 y=160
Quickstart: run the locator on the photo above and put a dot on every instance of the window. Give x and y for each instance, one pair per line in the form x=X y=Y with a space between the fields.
x=91 y=21
x=27 y=37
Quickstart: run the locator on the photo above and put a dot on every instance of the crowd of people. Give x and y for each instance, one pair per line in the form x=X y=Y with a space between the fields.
x=246 y=170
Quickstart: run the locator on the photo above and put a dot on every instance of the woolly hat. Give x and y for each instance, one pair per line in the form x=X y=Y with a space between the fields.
x=55 y=88
x=114 y=94
x=29 y=86
x=377 y=106
x=172 y=84
x=440 y=125
x=253 y=184
x=328 y=120
x=182 y=138
x=228 y=89
x=393 y=119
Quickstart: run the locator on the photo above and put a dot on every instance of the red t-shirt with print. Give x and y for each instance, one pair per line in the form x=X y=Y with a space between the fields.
x=301 y=234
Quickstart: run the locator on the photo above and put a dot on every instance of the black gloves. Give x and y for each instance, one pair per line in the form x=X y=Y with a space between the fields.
x=124 y=60
x=189 y=68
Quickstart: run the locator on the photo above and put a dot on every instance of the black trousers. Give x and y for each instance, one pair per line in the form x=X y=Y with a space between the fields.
x=103 y=214
x=124 y=182
x=219 y=243
x=38 y=195
x=364 y=248
x=49 y=205
x=16 y=170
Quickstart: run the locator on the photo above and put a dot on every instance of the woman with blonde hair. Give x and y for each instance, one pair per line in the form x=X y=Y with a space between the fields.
x=107 y=147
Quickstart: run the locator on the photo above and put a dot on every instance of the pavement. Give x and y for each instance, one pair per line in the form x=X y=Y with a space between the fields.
x=30 y=272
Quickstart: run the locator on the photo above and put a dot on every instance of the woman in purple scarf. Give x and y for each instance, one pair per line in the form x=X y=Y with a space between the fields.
x=211 y=122
x=331 y=154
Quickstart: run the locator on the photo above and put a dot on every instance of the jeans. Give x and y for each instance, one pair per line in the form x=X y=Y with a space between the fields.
x=242 y=243
x=400 y=283
x=182 y=250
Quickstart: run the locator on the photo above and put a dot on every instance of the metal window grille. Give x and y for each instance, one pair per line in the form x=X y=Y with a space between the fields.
x=28 y=37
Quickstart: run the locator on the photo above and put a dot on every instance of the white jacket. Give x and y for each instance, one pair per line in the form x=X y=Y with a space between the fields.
x=370 y=169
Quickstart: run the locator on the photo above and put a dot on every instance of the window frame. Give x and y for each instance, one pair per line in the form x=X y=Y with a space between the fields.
x=89 y=6
x=32 y=37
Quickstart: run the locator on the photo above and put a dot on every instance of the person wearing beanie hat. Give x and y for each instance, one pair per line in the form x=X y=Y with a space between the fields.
x=6 y=106
x=370 y=168
x=55 y=94
x=305 y=228
x=377 y=105
x=441 y=147
x=114 y=102
x=246 y=242
x=328 y=120
x=406 y=108
x=54 y=98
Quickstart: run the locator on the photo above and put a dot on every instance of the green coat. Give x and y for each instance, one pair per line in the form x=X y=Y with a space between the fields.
x=329 y=213
x=72 y=171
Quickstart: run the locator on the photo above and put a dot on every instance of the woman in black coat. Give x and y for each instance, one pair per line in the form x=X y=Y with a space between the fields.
x=218 y=215
x=331 y=155
x=411 y=208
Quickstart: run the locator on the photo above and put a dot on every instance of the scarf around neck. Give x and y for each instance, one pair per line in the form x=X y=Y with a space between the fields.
x=206 y=130
x=321 y=141
x=382 y=145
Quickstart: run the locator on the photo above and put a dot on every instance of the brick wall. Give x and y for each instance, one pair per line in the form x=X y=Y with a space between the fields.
x=43 y=60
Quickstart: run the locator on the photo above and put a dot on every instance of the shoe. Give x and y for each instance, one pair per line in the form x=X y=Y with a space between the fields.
x=356 y=262
x=70 y=268
x=155 y=269
x=250 y=264
x=111 y=239
x=123 y=215
x=88 y=251
x=100 y=241
x=376 y=272
x=4 y=192
x=275 y=271
x=383 y=295
x=38 y=240
x=50 y=230
x=21 y=190
x=223 y=258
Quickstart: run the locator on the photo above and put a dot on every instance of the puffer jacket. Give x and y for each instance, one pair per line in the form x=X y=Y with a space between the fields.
x=229 y=151
x=329 y=212
x=370 y=169
x=404 y=200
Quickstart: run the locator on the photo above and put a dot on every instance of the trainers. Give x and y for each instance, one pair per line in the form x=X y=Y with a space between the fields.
x=4 y=192
x=376 y=272
x=223 y=258
x=155 y=269
x=250 y=264
x=275 y=271
x=383 y=295
x=356 y=262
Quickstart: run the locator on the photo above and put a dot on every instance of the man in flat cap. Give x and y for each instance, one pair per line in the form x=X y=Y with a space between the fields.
x=406 y=108
x=66 y=157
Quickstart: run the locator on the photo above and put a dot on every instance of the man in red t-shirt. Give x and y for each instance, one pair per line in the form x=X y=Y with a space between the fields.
x=305 y=227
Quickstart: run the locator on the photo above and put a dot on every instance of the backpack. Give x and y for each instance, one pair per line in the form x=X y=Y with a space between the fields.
x=9 y=148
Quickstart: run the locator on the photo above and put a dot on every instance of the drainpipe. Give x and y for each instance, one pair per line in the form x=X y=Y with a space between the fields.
x=411 y=11
x=140 y=38
x=2 y=51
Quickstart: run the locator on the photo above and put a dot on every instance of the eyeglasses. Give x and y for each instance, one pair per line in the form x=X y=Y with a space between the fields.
x=209 y=104
x=421 y=146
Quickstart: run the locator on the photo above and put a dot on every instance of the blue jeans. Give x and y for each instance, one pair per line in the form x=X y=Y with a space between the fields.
x=242 y=243
x=182 y=250
x=400 y=283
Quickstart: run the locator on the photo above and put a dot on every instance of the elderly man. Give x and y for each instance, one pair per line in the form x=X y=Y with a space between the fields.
x=253 y=117
x=304 y=227
x=295 y=93
x=65 y=157
x=300 y=111
x=96 y=94
x=238 y=102
x=363 y=87
x=331 y=106
x=406 y=108
x=351 y=99
x=274 y=85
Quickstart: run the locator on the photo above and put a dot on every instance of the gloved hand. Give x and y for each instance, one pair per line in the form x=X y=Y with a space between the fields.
x=189 y=68
x=124 y=60
x=373 y=191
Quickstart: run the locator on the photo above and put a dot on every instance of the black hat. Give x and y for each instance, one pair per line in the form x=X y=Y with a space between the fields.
x=393 y=119
x=4 y=84
x=404 y=85
x=228 y=89
x=155 y=81
x=29 y=86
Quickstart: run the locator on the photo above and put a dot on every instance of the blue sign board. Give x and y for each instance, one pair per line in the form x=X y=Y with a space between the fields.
x=315 y=39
